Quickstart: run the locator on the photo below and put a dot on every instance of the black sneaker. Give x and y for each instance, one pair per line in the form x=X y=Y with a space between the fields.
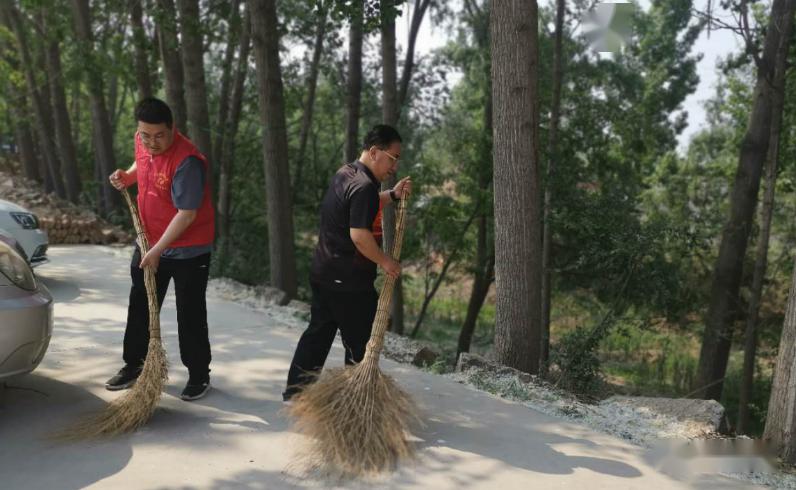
x=288 y=394
x=195 y=389
x=124 y=379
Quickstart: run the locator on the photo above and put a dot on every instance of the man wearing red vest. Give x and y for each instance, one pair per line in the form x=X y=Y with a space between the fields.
x=174 y=201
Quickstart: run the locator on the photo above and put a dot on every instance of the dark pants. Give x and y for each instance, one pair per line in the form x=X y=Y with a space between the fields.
x=351 y=312
x=190 y=284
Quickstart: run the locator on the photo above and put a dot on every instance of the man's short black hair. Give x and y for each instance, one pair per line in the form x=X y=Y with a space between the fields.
x=153 y=111
x=381 y=136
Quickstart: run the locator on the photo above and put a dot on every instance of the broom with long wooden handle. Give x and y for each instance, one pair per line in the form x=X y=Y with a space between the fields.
x=136 y=406
x=357 y=418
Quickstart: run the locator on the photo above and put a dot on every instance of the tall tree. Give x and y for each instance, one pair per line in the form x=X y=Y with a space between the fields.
x=555 y=112
x=44 y=129
x=24 y=138
x=518 y=254
x=231 y=130
x=761 y=255
x=17 y=100
x=265 y=40
x=312 y=83
x=60 y=112
x=76 y=95
x=194 y=71
x=389 y=89
x=780 y=428
x=418 y=13
x=477 y=18
x=354 y=86
x=233 y=26
x=393 y=101
x=48 y=116
x=389 y=107
x=723 y=308
x=169 y=47
x=142 y=70
x=27 y=153
x=100 y=121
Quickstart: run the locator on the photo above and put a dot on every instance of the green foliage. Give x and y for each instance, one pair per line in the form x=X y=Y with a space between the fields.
x=577 y=361
x=374 y=12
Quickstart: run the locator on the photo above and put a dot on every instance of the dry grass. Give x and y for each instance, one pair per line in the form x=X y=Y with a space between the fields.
x=357 y=419
x=133 y=409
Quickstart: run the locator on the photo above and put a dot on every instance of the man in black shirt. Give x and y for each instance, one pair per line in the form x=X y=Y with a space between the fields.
x=344 y=264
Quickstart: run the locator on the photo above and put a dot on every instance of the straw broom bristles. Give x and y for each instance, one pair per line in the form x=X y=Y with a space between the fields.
x=357 y=418
x=133 y=409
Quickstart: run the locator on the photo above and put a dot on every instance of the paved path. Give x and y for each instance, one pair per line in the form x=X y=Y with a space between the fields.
x=236 y=437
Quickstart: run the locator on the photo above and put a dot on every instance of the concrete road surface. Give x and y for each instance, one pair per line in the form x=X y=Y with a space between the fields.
x=236 y=437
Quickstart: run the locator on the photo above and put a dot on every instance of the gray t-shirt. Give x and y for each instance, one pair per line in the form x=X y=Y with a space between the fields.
x=187 y=192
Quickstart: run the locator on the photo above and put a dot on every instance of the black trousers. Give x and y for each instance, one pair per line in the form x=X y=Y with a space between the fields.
x=190 y=284
x=350 y=312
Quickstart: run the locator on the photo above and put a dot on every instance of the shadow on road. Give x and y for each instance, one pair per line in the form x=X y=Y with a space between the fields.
x=29 y=458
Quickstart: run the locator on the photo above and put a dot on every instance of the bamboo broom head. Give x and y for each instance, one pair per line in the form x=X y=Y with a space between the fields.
x=133 y=409
x=357 y=418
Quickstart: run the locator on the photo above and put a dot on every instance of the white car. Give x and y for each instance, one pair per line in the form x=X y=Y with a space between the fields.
x=26 y=314
x=23 y=226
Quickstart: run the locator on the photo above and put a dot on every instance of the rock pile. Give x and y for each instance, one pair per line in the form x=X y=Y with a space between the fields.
x=64 y=222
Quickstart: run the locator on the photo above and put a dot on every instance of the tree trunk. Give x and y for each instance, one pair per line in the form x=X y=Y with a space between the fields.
x=265 y=40
x=354 y=91
x=42 y=110
x=548 y=193
x=450 y=260
x=780 y=430
x=392 y=103
x=193 y=68
x=761 y=258
x=117 y=112
x=485 y=256
x=409 y=63
x=63 y=126
x=172 y=62
x=390 y=116
x=100 y=121
x=722 y=311
x=27 y=155
x=46 y=178
x=24 y=139
x=76 y=94
x=113 y=98
x=309 y=102
x=142 y=75
x=483 y=280
x=518 y=243
x=226 y=79
x=389 y=67
x=231 y=130
x=49 y=123
x=17 y=101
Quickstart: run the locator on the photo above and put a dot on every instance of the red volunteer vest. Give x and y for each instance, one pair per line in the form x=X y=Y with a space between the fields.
x=154 y=176
x=378 y=231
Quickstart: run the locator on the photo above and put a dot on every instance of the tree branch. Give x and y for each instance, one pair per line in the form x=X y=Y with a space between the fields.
x=409 y=63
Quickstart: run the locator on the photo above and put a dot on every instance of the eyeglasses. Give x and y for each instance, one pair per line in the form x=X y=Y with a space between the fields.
x=392 y=157
x=146 y=138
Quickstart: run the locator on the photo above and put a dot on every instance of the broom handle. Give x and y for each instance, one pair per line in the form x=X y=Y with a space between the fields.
x=149 y=274
x=382 y=318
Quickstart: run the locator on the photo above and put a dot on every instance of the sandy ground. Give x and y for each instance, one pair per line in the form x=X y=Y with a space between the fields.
x=237 y=436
